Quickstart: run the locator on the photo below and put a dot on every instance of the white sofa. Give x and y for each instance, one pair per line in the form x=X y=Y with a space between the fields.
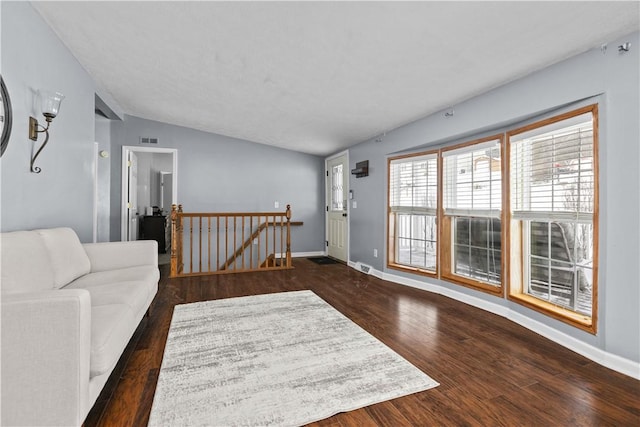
x=68 y=312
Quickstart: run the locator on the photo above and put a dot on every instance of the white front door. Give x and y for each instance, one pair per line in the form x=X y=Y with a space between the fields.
x=132 y=197
x=337 y=204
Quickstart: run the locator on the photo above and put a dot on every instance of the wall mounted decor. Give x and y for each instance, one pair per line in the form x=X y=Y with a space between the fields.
x=361 y=170
x=50 y=108
x=5 y=117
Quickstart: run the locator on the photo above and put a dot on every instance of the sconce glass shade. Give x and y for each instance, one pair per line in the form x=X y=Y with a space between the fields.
x=50 y=103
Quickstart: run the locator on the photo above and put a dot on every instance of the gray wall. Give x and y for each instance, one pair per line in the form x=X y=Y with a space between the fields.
x=610 y=78
x=62 y=195
x=222 y=174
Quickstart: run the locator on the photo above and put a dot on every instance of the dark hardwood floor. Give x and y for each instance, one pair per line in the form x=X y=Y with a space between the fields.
x=491 y=371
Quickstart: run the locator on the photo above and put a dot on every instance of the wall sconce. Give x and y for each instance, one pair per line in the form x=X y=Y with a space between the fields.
x=50 y=108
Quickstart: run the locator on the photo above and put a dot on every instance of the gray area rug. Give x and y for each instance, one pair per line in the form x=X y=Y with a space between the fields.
x=281 y=359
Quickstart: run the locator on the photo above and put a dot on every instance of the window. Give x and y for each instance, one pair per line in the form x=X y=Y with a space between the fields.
x=413 y=202
x=472 y=208
x=553 y=206
x=446 y=216
x=337 y=189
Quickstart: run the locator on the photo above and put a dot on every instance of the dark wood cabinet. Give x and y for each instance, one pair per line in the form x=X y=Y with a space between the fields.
x=154 y=227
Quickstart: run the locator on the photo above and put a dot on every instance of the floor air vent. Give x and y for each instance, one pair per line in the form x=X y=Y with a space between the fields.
x=363 y=267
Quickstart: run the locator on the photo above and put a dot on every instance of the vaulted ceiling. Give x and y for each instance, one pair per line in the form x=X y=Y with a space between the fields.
x=318 y=77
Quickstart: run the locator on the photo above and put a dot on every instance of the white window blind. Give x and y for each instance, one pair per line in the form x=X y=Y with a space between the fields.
x=413 y=184
x=552 y=175
x=472 y=180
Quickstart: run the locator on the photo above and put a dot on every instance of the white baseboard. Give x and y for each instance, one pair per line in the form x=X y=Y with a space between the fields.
x=307 y=254
x=300 y=254
x=602 y=357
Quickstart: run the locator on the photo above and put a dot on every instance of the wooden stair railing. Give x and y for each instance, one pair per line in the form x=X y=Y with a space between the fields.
x=239 y=242
x=246 y=244
x=269 y=259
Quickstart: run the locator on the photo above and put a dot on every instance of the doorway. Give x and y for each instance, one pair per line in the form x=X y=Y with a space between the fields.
x=149 y=186
x=337 y=212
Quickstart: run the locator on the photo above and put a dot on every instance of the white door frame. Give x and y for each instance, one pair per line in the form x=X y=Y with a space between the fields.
x=126 y=149
x=327 y=201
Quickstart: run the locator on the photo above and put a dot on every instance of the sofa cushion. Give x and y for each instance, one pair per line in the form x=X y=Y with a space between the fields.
x=68 y=258
x=111 y=328
x=136 y=294
x=146 y=273
x=25 y=263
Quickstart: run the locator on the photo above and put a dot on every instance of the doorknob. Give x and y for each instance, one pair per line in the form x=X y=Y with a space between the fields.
x=344 y=214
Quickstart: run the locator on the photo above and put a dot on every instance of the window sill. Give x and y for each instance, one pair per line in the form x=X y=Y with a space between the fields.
x=473 y=284
x=414 y=270
x=572 y=318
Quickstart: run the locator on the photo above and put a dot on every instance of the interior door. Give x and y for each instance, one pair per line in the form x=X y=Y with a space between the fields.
x=337 y=220
x=132 y=196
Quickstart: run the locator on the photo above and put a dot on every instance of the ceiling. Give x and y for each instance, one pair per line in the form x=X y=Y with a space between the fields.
x=317 y=77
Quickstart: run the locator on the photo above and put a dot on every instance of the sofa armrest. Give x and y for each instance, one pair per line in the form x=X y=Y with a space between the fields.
x=115 y=255
x=46 y=347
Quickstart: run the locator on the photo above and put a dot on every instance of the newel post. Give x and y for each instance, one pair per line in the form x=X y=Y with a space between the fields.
x=176 y=240
x=288 y=214
x=180 y=266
